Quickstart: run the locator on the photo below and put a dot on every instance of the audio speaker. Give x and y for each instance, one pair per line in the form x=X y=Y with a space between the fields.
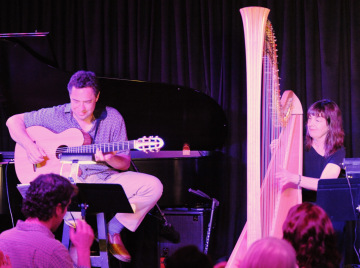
x=192 y=227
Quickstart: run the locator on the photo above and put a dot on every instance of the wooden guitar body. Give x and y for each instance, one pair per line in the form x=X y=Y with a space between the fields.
x=50 y=142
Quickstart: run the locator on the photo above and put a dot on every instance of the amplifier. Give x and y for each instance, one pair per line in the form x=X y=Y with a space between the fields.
x=192 y=227
x=7 y=156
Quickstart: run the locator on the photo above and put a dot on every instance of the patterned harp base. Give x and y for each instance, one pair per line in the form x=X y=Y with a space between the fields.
x=270 y=120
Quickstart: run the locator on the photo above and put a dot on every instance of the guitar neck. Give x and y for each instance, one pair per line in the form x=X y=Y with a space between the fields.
x=104 y=147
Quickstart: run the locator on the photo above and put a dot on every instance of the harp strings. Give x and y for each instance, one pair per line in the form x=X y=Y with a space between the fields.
x=271 y=125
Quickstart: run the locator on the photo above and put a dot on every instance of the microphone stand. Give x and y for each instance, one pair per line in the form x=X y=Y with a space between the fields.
x=214 y=205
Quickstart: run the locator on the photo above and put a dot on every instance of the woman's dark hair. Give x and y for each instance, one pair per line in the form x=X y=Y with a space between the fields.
x=335 y=136
x=310 y=231
x=45 y=193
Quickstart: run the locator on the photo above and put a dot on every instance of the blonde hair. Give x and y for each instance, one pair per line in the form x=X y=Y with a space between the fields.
x=270 y=252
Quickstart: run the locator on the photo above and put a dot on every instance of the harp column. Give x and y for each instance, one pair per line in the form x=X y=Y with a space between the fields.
x=254 y=21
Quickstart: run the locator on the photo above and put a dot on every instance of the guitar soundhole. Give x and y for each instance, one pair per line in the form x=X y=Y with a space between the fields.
x=61 y=149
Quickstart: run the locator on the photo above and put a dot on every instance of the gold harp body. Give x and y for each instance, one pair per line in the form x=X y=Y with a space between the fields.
x=270 y=120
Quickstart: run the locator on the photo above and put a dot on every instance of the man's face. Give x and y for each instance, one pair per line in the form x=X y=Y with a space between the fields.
x=83 y=102
x=59 y=216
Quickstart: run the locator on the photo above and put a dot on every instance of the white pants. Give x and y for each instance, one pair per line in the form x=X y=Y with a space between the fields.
x=142 y=190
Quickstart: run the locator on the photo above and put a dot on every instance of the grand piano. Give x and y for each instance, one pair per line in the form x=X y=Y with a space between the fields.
x=30 y=79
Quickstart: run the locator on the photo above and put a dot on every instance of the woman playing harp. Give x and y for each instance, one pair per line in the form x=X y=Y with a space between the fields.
x=324 y=148
x=269 y=118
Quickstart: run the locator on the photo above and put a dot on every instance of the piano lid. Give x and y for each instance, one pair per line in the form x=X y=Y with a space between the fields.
x=177 y=114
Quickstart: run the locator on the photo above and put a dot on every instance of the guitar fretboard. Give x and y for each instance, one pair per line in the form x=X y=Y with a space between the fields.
x=104 y=147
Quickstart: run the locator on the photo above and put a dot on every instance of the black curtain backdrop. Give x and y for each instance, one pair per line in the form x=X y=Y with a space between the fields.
x=200 y=44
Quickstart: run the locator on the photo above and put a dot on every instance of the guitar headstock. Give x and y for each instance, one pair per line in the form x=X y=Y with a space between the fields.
x=149 y=144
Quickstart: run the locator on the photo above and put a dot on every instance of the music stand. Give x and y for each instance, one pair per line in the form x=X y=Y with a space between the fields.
x=99 y=198
x=338 y=199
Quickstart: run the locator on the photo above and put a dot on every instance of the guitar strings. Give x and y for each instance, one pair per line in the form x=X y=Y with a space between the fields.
x=91 y=147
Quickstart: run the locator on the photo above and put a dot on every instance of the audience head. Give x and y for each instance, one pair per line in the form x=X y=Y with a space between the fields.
x=189 y=257
x=309 y=229
x=270 y=252
x=45 y=193
x=82 y=79
x=331 y=112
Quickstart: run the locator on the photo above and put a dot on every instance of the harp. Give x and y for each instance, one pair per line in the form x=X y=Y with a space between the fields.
x=271 y=119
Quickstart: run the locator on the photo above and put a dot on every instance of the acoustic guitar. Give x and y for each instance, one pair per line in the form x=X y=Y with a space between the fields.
x=70 y=141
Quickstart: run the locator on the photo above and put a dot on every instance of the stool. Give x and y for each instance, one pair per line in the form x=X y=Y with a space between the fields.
x=98 y=198
x=101 y=260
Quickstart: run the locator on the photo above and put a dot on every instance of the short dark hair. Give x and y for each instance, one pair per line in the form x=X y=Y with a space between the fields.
x=45 y=193
x=82 y=79
x=188 y=256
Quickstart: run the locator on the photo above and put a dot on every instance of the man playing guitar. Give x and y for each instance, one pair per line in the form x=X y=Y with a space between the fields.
x=104 y=125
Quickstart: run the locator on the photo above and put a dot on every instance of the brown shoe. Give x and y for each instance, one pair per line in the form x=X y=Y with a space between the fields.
x=117 y=248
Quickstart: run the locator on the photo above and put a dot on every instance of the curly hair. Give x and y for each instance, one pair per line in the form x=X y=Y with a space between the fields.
x=335 y=136
x=310 y=231
x=45 y=193
x=82 y=79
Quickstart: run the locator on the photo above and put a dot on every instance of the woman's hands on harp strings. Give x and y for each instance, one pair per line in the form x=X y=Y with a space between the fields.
x=274 y=145
x=284 y=176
